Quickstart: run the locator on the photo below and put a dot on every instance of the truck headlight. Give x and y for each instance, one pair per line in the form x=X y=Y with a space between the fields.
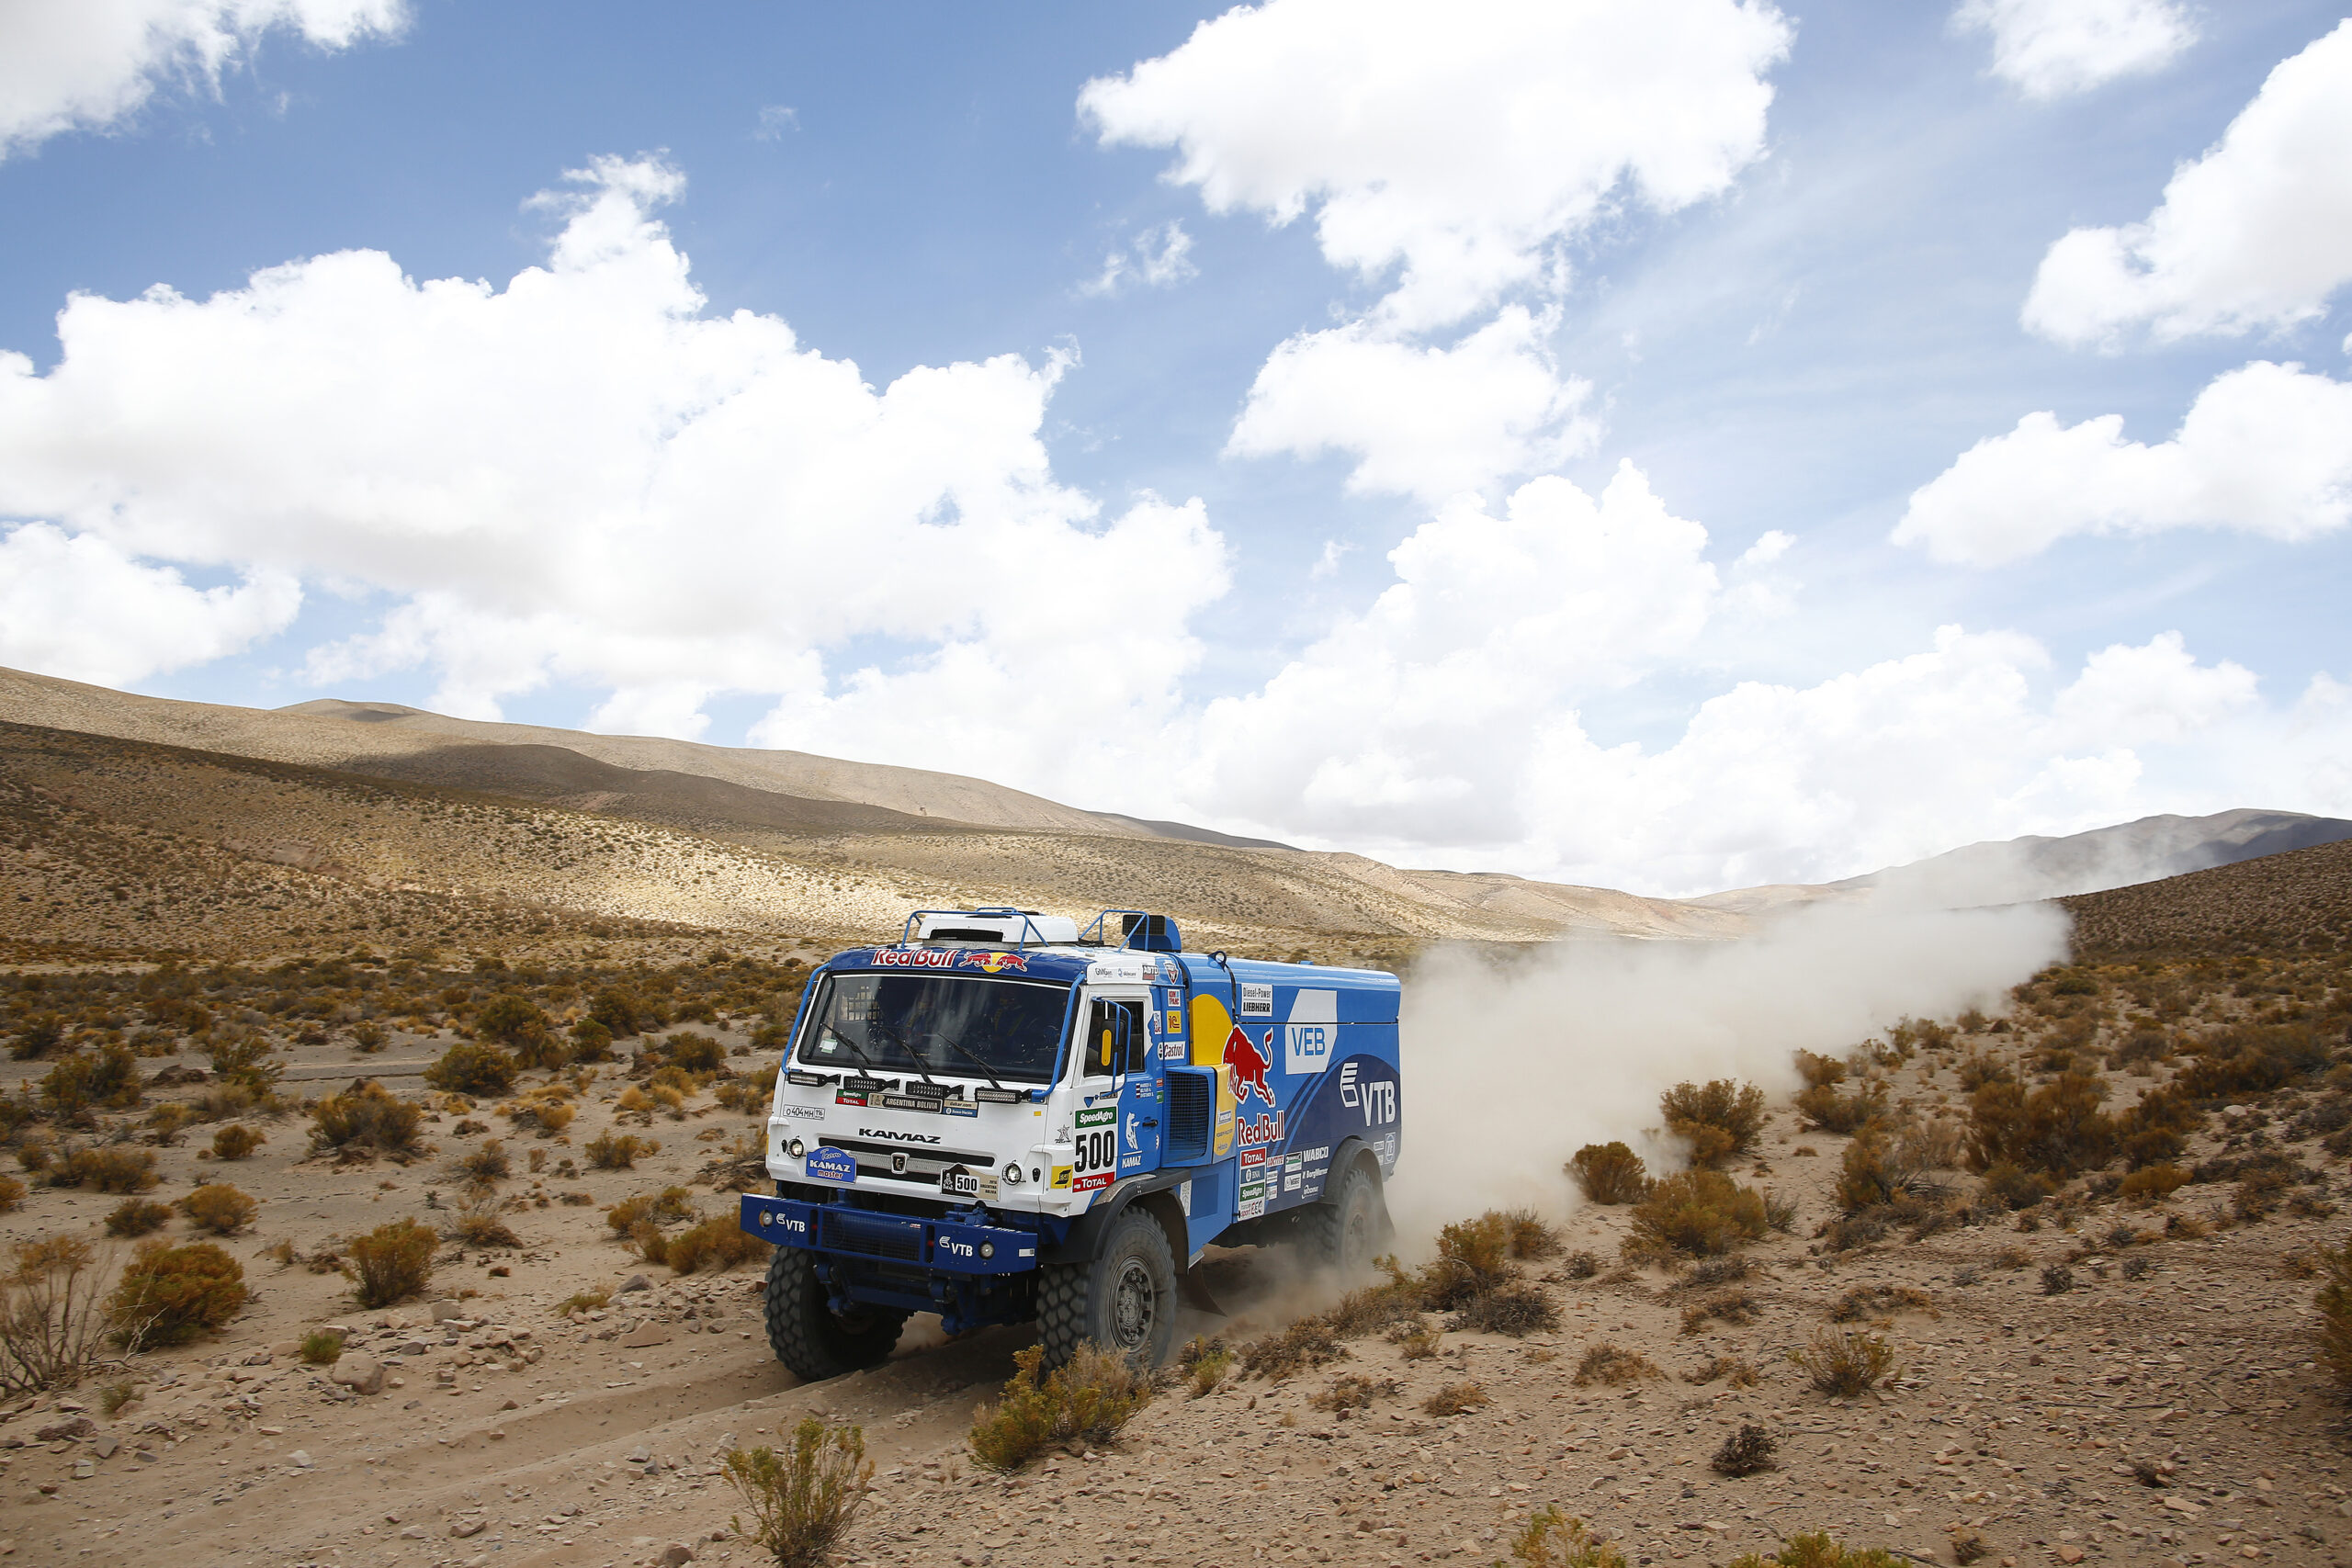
x=796 y=1148
x=1013 y=1173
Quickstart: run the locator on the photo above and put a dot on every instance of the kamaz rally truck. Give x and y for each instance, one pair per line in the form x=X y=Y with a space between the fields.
x=1000 y=1118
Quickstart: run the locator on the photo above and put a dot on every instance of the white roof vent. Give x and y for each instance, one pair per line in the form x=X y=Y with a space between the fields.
x=994 y=927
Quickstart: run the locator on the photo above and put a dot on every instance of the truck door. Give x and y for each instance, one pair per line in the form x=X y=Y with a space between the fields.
x=1120 y=1100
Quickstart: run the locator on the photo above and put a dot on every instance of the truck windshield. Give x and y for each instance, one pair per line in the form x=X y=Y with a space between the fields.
x=939 y=1024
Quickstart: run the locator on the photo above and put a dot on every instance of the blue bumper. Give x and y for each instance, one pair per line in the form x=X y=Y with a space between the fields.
x=944 y=1247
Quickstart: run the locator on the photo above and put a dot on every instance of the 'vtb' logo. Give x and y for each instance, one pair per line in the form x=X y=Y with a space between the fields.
x=1248 y=1067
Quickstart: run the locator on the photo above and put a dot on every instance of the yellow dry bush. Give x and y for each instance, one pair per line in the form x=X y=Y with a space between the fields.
x=1085 y=1401
x=803 y=1500
x=219 y=1209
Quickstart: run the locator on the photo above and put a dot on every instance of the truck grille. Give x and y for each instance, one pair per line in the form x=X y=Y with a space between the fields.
x=1191 y=1101
x=923 y=1165
x=873 y=1236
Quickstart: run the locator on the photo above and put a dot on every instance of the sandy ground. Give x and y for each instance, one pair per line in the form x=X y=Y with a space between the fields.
x=508 y=1434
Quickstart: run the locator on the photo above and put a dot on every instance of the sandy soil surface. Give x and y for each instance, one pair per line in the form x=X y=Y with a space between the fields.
x=509 y=1432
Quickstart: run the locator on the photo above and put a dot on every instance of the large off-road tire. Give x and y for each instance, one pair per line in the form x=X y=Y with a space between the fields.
x=808 y=1336
x=1348 y=1228
x=1125 y=1300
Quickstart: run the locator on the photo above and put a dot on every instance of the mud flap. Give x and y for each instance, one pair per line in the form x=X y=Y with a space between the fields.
x=1196 y=1294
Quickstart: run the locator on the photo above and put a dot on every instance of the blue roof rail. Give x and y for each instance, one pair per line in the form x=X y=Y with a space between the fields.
x=998 y=912
x=1138 y=929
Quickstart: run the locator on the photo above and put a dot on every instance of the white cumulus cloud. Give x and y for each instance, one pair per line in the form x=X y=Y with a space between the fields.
x=1460 y=141
x=87 y=63
x=582 y=476
x=1160 y=257
x=1420 y=421
x=2254 y=235
x=80 y=609
x=2047 y=48
x=2265 y=449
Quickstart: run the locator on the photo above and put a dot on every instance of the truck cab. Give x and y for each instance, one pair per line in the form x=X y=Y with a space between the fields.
x=1001 y=1117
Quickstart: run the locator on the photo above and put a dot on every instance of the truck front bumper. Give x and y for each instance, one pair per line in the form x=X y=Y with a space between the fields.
x=941 y=1247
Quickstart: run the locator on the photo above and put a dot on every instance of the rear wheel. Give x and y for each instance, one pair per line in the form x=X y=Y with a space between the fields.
x=808 y=1335
x=1125 y=1300
x=1348 y=1228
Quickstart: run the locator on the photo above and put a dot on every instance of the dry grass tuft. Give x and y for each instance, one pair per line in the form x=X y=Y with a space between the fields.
x=1084 y=1402
x=1610 y=1366
x=1745 y=1451
x=1203 y=1363
x=618 y=1151
x=718 y=1243
x=1553 y=1540
x=1845 y=1364
x=1352 y=1391
x=136 y=1217
x=1454 y=1399
x=367 y=1119
x=54 y=1317
x=1739 y=1308
x=1879 y=1301
x=219 y=1209
x=391 y=1263
x=235 y=1141
x=1739 y=1372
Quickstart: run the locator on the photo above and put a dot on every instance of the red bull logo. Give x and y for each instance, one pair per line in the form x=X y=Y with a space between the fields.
x=997 y=963
x=1249 y=1066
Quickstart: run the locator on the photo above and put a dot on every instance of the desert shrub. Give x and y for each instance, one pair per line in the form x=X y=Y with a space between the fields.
x=1735 y=1307
x=1415 y=1342
x=165 y=1123
x=12 y=1194
x=235 y=1141
x=1745 y=1451
x=1455 y=1398
x=53 y=1320
x=477 y=1223
x=246 y=1060
x=483 y=1166
x=1740 y=1374
x=168 y=1296
x=693 y=1052
x=136 y=1217
x=672 y=1206
x=2152 y=1183
x=1697 y=1212
x=618 y=1151
x=1872 y=1173
x=1879 y=1301
x=1845 y=1363
x=369 y=1036
x=718 y=1243
x=2142 y=1048
x=1817 y=1551
x=36 y=1037
x=2137 y=1266
x=367 y=1119
x=1352 y=1391
x=1581 y=1265
x=517 y=1023
x=2056 y=1279
x=1609 y=1366
x=2260 y=1191
x=549 y=1109
x=2334 y=1303
x=320 y=1348
x=2253 y=1059
x=1823 y=1108
x=1710 y=1272
x=2057 y=1129
x=1308 y=1342
x=391 y=1263
x=470 y=1066
x=1553 y=1540
x=107 y=1077
x=1086 y=1400
x=1529 y=1238
x=116 y=1169
x=1720 y=1118
x=1847 y=1232
x=1610 y=1173
x=591 y=1041
x=619 y=1011
x=218 y=1101
x=2156 y=1129
x=219 y=1209
x=1819 y=1071
x=2015 y=1189
x=1974 y=1072
x=1203 y=1363
x=802 y=1501
x=1510 y=1308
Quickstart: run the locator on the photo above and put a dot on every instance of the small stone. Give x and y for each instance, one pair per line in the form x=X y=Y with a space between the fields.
x=646 y=1335
x=638 y=1455
x=84 y=1470
x=2070 y=1555
x=510 y=1404
x=66 y=1431
x=677 y=1554
x=105 y=1447
x=443 y=1311
x=465 y=1527
x=299 y=1458
x=634 y=1283
x=413 y=1532
x=359 y=1373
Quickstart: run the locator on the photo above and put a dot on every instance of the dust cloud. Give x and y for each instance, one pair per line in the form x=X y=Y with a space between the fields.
x=1511 y=1067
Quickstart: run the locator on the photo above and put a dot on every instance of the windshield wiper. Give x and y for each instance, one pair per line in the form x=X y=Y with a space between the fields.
x=986 y=1071
x=912 y=1054
x=862 y=1059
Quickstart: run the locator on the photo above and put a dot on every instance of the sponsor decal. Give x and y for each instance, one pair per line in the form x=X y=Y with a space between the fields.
x=786 y=1220
x=805 y=1112
x=914 y=958
x=1097 y=1116
x=1062 y=1178
x=898 y=1138
x=1171 y=1051
x=955 y=1248
x=1313 y=1029
x=1253 y=1202
x=826 y=1163
x=845 y=1098
x=1095 y=1182
x=1184 y=1198
x=1257 y=999
x=1293 y=1167
x=987 y=1186
x=1169 y=974
x=1377 y=1100
x=1248 y=1064
x=1097 y=1146
x=994 y=962
x=1252 y=1159
x=1131 y=1162
x=1175 y=1021
x=909 y=1102
x=1260 y=1130
x=956 y=1182
x=961 y=1108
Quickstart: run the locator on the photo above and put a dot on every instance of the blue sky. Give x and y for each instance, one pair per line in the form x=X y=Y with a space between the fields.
x=1596 y=442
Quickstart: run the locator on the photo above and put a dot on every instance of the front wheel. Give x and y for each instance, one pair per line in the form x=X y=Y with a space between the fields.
x=1125 y=1300
x=1346 y=1230
x=808 y=1335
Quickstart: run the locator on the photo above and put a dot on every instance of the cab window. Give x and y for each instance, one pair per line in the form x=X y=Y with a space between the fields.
x=1114 y=1040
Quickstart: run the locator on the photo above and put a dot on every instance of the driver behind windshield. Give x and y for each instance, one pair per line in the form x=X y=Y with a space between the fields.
x=962 y=1027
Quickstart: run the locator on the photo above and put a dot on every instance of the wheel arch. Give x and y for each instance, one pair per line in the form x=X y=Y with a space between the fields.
x=1155 y=1195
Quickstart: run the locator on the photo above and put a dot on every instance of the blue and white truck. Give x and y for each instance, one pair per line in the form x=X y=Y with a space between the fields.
x=1002 y=1118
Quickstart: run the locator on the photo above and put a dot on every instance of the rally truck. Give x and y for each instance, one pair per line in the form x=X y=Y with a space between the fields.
x=1000 y=1118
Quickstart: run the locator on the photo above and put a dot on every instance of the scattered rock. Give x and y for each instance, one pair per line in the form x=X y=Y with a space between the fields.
x=465 y=1527
x=361 y=1374
x=634 y=1283
x=105 y=1447
x=443 y=1311
x=299 y=1458
x=67 y=1431
x=646 y=1334
x=677 y=1554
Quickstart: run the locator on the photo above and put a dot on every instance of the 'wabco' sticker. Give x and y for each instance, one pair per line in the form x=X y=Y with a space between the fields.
x=826 y=1163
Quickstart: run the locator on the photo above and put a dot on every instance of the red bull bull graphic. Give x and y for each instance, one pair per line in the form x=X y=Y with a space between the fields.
x=995 y=962
x=1248 y=1064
